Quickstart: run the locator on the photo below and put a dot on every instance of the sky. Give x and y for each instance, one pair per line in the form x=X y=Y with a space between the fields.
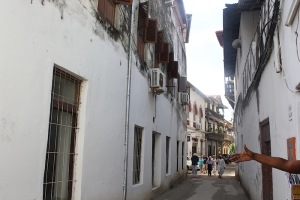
x=205 y=69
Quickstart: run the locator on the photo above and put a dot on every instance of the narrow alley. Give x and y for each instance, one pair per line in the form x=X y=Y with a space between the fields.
x=208 y=188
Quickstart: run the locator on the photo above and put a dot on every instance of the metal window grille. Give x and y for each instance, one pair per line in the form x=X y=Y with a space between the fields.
x=167 y=154
x=137 y=155
x=60 y=155
x=182 y=154
x=153 y=157
x=177 y=156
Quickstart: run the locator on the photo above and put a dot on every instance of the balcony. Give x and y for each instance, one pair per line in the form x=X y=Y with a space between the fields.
x=210 y=113
x=214 y=136
x=228 y=138
x=229 y=91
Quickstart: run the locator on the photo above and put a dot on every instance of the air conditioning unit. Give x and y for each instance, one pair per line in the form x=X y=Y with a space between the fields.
x=158 y=80
x=184 y=98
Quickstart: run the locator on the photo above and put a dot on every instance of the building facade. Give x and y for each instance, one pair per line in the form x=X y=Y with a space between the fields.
x=208 y=133
x=215 y=127
x=196 y=141
x=229 y=138
x=261 y=59
x=91 y=103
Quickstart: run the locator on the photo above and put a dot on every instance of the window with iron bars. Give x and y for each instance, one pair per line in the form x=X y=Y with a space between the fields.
x=177 y=168
x=182 y=155
x=137 y=155
x=167 y=154
x=60 y=153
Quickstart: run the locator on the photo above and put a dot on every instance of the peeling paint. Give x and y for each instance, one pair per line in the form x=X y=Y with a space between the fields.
x=61 y=4
x=98 y=30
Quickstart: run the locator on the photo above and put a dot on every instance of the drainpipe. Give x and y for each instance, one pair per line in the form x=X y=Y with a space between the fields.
x=127 y=112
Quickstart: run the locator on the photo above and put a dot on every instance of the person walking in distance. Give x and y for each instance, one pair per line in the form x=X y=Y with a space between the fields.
x=221 y=166
x=195 y=160
x=201 y=164
x=209 y=163
x=204 y=164
x=214 y=167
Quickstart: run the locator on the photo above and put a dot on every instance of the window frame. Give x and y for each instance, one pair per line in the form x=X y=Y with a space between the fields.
x=168 y=142
x=142 y=24
x=63 y=106
x=137 y=155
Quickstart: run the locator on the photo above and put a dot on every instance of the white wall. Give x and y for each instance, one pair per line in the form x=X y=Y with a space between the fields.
x=36 y=39
x=33 y=39
x=275 y=94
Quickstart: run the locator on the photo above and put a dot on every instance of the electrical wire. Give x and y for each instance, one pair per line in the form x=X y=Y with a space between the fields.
x=287 y=83
x=266 y=50
x=296 y=43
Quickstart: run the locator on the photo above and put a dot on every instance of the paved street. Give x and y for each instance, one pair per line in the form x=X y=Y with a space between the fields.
x=208 y=188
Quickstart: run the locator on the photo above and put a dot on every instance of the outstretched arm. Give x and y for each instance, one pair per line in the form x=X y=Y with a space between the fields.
x=292 y=166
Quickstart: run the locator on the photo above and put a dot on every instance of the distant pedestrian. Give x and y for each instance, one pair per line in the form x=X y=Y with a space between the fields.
x=214 y=167
x=201 y=163
x=209 y=163
x=221 y=166
x=195 y=160
x=204 y=164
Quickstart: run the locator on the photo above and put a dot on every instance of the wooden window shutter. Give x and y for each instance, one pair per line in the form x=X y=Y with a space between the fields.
x=101 y=7
x=127 y=2
x=201 y=112
x=106 y=9
x=171 y=56
x=159 y=45
x=110 y=12
x=164 y=55
x=143 y=15
x=174 y=70
x=140 y=48
x=195 y=109
x=142 y=25
x=150 y=35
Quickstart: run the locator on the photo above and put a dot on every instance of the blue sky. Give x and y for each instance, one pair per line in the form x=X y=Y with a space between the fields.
x=204 y=53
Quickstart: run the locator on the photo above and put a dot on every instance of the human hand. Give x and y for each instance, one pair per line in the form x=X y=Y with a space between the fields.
x=242 y=156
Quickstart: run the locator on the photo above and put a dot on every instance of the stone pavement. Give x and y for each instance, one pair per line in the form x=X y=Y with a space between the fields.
x=208 y=188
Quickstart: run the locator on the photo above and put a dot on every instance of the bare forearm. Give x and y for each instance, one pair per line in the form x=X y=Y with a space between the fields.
x=275 y=162
x=278 y=163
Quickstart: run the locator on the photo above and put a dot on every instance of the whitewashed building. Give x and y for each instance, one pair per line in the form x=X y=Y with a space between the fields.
x=196 y=141
x=261 y=58
x=90 y=105
x=217 y=139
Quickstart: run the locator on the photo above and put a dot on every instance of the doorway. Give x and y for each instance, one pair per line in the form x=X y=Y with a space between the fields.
x=267 y=180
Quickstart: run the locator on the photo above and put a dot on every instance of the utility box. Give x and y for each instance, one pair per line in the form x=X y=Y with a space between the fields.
x=295 y=192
